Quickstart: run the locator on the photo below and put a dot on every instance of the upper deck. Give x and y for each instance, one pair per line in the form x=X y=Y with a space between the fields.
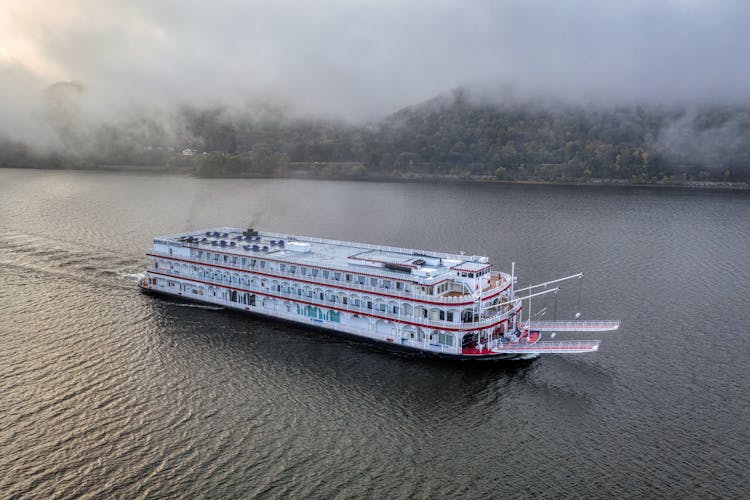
x=405 y=264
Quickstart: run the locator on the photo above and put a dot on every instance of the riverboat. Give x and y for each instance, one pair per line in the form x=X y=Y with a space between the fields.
x=433 y=303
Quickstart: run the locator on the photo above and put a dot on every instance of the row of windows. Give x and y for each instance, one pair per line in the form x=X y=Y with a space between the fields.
x=464 y=274
x=312 y=311
x=305 y=291
x=314 y=272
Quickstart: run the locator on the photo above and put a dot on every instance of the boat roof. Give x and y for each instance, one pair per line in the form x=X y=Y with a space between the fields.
x=394 y=262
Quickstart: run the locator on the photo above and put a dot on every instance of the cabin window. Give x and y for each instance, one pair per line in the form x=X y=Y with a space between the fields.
x=326 y=274
x=387 y=284
x=374 y=281
x=292 y=269
x=394 y=309
x=348 y=277
x=337 y=276
x=303 y=271
x=445 y=339
x=313 y=272
x=356 y=302
x=361 y=280
x=449 y=316
x=282 y=267
x=442 y=316
x=262 y=264
x=369 y=304
x=399 y=285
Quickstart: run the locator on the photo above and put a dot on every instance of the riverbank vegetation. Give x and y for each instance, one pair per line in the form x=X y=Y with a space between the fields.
x=452 y=136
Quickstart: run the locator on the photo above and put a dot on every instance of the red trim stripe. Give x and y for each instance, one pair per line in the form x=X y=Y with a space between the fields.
x=445 y=304
x=330 y=307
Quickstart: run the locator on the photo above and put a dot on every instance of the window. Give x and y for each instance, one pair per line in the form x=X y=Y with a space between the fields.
x=282 y=267
x=399 y=285
x=337 y=276
x=441 y=315
x=449 y=316
x=369 y=304
x=445 y=339
x=262 y=264
x=387 y=284
x=292 y=269
x=374 y=281
x=348 y=277
x=326 y=274
x=303 y=271
x=361 y=280
x=313 y=272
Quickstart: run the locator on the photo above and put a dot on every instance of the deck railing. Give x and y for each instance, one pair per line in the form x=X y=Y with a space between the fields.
x=575 y=326
x=362 y=309
x=570 y=346
x=327 y=241
x=414 y=294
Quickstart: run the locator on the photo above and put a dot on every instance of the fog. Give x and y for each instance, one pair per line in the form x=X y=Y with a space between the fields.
x=358 y=60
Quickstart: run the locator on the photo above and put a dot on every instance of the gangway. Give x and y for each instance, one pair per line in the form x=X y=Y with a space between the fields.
x=575 y=326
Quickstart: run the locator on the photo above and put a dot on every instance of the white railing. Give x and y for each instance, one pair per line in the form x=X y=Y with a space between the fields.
x=396 y=339
x=575 y=326
x=367 y=246
x=326 y=241
x=427 y=323
x=355 y=286
x=564 y=346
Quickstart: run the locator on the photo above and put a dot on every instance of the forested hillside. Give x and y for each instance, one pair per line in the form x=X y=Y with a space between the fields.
x=452 y=135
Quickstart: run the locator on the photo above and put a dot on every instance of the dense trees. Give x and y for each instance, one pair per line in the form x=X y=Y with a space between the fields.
x=447 y=136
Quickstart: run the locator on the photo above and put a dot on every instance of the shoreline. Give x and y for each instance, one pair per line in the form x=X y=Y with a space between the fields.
x=419 y=178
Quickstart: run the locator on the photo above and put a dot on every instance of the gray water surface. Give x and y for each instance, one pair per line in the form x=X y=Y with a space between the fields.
x=107 y=392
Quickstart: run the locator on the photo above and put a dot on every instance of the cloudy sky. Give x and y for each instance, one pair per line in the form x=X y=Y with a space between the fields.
x=364 y=59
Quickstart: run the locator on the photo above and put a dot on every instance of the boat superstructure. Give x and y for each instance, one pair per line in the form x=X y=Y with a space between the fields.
x=450 y=305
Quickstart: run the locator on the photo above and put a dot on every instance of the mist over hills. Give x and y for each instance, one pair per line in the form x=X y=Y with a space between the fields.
x=577 y=89
x=459 y=133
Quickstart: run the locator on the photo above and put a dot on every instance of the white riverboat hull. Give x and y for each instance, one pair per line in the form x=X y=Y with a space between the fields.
x=429 y=303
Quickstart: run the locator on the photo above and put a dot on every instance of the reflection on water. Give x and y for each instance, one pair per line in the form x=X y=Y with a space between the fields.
x=110 y=392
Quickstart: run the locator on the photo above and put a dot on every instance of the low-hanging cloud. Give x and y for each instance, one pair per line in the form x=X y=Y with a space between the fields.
x=359 y=60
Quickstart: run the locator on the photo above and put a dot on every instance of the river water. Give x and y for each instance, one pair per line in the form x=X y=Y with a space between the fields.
x=107 y=392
